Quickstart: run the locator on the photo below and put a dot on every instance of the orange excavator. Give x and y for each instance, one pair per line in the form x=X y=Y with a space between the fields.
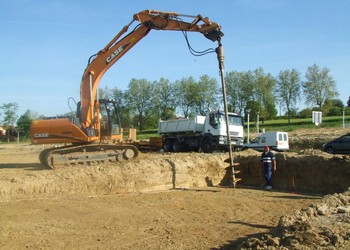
x=94 y=134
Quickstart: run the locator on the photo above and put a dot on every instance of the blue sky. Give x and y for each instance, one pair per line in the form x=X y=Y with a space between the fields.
x=46 y=44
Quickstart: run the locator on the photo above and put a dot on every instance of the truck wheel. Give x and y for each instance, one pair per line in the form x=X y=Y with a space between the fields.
x=176 y=146
x=207 y=146
x=167 y=146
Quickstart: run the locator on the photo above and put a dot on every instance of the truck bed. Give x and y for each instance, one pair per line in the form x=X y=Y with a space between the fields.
x=195 y=124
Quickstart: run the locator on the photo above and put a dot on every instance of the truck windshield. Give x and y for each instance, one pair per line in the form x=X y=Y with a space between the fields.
x=233 y=119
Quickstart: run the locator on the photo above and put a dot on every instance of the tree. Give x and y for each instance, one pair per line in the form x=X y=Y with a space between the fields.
x=207 y=94
x=10 y=116
x=305 y=113
x=232 y=81
x=319 y=86
x=288 y=89
x=23 y=123
x=105 y=93
x=138 y=97
x=264 y=93
x=186 y=92
x=254 y=108
x=239 y=90
x=165 y=101
x=124 y=111
x=252 y=87
x=348 y=102
x=194 y=97
x=337 y=103
x=333 y=107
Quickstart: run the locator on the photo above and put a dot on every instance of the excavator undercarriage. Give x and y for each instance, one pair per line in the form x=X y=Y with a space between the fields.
x=53 y=158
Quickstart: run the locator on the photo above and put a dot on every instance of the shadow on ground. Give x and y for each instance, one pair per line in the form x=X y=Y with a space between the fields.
x=25 y=166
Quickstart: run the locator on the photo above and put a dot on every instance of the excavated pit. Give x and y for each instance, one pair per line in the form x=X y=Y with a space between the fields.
x=309 y=171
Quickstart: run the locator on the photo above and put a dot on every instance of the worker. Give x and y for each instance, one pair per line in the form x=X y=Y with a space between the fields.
x=269 y=164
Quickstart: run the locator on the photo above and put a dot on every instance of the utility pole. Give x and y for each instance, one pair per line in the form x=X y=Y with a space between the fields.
x=248 y=112
x=257 y=123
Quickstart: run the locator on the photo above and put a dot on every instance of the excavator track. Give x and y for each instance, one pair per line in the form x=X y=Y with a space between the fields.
x=54 y=158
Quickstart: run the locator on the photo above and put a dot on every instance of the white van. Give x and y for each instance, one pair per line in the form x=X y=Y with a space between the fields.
x=277 y=141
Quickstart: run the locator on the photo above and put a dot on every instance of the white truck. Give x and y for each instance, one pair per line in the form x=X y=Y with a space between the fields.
x=201 y=133
x=277 y=141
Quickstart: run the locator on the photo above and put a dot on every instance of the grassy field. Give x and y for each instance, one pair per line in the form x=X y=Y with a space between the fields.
x=300 y=123
x=278 y=125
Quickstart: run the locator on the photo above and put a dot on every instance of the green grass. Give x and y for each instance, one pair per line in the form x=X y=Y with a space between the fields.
x=278 y=125
x=147 y=134
x=299 y=123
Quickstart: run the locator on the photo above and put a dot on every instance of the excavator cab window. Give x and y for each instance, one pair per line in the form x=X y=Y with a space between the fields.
x=110 y=122
x=115 y=119
x=78 y=115
x=105 y=120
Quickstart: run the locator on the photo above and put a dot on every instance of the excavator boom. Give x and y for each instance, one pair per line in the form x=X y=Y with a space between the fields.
x=117 y=47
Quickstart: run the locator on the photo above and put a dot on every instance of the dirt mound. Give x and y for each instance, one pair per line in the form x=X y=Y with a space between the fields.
x=302 y=139
x=149 y=172
x=322 y=226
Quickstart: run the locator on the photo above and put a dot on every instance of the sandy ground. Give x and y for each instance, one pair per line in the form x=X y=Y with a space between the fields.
x=177 y=219
x=159 y=201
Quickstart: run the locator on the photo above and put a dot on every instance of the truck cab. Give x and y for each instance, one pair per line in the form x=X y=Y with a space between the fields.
x=215 y=128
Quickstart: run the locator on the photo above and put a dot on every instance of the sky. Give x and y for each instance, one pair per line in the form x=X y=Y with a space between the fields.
x=46 y=44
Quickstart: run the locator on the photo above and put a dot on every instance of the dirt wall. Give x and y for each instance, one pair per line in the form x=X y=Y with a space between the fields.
x=310 y=171
x=307 y=172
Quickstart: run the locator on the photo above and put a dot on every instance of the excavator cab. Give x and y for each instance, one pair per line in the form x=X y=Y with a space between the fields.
x=109 y=120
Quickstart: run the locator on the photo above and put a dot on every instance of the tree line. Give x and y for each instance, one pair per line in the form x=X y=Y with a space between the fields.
x=144 y=102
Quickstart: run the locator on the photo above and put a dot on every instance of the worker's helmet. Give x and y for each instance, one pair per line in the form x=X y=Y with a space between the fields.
x=266 y=148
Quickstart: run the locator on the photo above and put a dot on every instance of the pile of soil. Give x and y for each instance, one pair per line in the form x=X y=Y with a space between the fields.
x=325 y=225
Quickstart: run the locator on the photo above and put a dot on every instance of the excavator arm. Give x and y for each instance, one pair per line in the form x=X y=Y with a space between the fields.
x=118 y=46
